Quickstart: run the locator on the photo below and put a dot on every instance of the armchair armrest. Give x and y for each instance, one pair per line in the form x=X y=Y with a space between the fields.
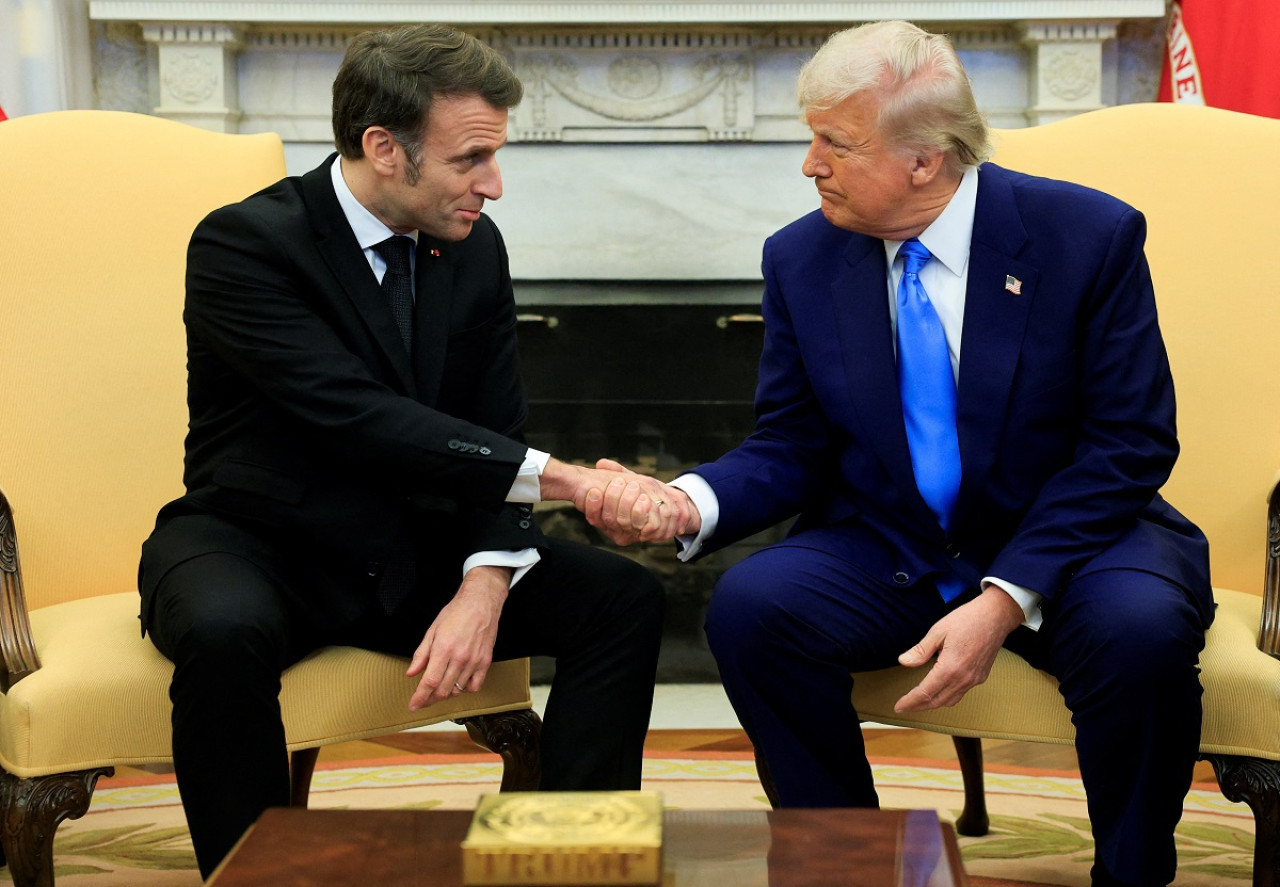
x=17 y=646
x=1269 y=630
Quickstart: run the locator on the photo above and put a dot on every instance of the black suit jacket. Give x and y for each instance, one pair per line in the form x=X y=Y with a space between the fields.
x=316 y=443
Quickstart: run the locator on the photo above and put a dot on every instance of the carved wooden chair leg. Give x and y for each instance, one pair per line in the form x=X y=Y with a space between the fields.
x=517 y=737
x=30 y=812
x=766 y=781
x=1257 y=783
x=302 y=765
x=973 y=821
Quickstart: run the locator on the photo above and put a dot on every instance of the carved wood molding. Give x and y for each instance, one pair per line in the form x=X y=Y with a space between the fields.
x=1269 y=629
x=32 y=809
x=517 y=737
x=1257 y=783
x=17 y=646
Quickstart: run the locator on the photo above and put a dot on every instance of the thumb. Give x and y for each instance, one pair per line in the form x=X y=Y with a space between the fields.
x=920 y=653
x=610 y=465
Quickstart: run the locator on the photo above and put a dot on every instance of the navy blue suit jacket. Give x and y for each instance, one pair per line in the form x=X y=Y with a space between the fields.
x=1065 y=402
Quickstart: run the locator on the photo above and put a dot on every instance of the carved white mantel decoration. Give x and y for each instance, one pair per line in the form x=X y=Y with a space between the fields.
x=718 y=70
x=1067 y=67
x=197 y=73
x=657 y=139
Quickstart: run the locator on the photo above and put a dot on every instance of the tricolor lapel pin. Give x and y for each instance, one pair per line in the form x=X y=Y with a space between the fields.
x=435 y=252
x=1013 y=284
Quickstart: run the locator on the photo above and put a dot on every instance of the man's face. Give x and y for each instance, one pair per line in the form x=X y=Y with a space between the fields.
x=457 y=170
x=865 y=184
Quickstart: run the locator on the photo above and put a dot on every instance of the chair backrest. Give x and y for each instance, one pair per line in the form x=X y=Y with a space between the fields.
x=96 y=208
x=1209 y=184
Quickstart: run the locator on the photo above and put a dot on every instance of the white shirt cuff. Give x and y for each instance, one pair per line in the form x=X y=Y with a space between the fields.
x=526 y=487
x=519 y=561
x=704 y=499
x=1025 y=598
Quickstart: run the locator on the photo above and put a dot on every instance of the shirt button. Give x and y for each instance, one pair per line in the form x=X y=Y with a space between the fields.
x=901 y=578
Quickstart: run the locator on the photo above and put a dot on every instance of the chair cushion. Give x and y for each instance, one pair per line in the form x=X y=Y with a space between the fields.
x=101 y=695
x=1241 y=693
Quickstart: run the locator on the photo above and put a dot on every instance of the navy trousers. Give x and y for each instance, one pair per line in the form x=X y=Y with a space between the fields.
x=789 y=624
x=230 y=631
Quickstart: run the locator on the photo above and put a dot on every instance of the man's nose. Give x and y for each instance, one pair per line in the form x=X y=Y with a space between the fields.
x=814 y=166
x=489 y=184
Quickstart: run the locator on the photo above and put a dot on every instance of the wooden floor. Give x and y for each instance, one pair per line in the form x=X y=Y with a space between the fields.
x=881 y=743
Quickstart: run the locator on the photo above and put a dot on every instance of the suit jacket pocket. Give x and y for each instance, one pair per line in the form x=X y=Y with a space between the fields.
x=260 y=480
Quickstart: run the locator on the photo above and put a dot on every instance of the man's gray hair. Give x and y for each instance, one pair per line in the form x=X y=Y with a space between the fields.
x=923 y=93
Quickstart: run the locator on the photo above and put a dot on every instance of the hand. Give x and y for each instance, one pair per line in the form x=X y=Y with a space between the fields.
x=457 y=650
x=966 y=642
x=633 y=507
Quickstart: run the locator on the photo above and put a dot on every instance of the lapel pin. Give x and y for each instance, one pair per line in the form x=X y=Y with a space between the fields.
x=1013 y=284
x=436 y=253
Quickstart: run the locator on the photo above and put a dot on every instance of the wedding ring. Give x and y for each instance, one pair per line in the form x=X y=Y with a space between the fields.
x=658 y=503
x=459 y=687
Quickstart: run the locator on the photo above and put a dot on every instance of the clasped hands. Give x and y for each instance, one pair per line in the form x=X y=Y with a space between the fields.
x=627 y=507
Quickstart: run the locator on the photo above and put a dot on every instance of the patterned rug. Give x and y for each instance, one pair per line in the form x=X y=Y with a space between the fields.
x=134 y=832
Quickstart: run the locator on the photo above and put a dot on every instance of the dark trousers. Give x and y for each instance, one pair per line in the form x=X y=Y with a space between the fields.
x=231 y=631
x=789 y=624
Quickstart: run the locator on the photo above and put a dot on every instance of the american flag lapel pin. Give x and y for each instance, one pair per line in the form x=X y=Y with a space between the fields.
x=1013 y=284
x=435 y=252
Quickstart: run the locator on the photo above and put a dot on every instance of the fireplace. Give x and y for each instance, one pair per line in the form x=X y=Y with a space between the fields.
x=661 y=377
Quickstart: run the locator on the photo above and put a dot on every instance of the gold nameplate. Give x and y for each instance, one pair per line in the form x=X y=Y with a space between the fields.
x=565 y=838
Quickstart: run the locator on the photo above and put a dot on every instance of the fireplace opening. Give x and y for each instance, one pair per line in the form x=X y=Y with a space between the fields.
x=660 y=376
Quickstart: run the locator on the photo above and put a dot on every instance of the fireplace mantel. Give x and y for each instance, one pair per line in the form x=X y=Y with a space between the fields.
x=579 y=12
x=612 y=71
x=657 y=140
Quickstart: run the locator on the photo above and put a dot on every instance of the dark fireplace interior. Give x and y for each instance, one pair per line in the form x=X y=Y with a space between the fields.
x=661 y=377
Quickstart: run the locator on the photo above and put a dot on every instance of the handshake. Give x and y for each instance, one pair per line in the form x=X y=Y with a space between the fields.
x=625 y=506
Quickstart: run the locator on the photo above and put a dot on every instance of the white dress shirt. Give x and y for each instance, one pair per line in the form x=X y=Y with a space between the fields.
x=945 y=280
x=369 y=232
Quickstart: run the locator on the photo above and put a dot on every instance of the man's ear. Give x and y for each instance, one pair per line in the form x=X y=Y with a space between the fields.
x=925 y=167
x=381 y=150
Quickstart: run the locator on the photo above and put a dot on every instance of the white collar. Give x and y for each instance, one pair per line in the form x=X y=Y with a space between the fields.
x=367 y=227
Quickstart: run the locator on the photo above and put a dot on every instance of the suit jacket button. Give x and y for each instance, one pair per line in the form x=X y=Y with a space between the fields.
x=901 y=578
x=372 y=569
x=953 y=549
x=524 y=524
x=454 y=444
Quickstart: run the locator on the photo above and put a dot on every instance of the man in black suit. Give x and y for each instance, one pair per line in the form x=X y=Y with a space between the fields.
x=354 y=452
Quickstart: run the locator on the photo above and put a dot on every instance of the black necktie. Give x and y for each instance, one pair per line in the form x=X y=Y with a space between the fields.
x=397 y=284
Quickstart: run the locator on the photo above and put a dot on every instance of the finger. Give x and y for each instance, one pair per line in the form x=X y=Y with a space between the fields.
x=634 y=507
x=422 y=655
x=612 y=494
x=593 y=510
x=428 y=692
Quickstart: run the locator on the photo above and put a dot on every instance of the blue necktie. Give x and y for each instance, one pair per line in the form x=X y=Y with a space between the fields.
x=928 y=391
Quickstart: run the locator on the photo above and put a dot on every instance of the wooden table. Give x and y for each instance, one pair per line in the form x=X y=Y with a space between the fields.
x=722 y=848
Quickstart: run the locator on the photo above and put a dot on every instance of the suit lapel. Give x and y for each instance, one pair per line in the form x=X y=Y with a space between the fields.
x=433 y=294
x=995 y=319
x=338 y=247
x=860 y=297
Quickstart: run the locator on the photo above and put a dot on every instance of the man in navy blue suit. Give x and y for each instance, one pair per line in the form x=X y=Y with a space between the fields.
x=1047 y=534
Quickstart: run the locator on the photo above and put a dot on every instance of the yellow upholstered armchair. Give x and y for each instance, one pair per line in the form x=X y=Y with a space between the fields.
x=1209 y=185
x=96 y=208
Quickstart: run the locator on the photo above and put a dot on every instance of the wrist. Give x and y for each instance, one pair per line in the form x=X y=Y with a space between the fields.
x=558 y=480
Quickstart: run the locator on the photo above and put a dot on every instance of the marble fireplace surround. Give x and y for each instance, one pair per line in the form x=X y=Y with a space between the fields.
x=657 y=140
